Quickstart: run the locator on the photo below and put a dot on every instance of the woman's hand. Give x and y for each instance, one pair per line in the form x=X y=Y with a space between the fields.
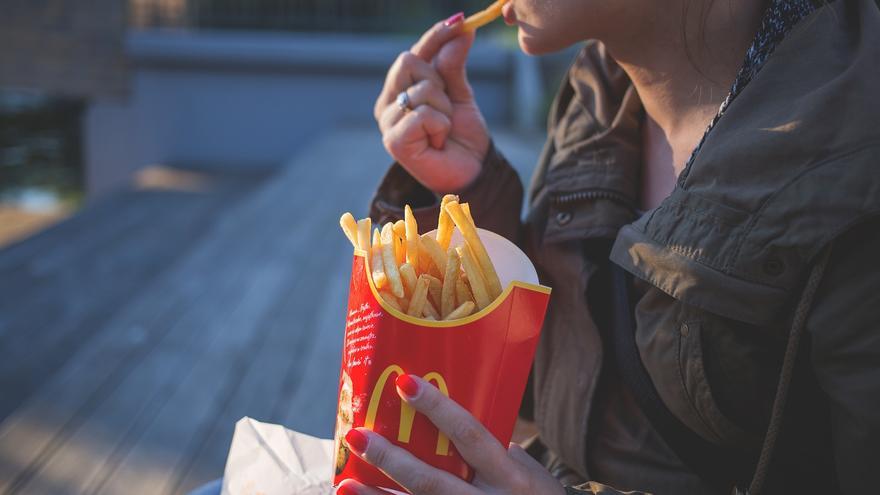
x=441 y=138
x=498 y=470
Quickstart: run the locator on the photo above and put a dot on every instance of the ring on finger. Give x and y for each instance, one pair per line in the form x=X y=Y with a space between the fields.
x=403 y=101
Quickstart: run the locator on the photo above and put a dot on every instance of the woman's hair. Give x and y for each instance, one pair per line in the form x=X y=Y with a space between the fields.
x=705 y=8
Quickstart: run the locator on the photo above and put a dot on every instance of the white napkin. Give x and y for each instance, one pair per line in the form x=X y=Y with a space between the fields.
x=267 y=459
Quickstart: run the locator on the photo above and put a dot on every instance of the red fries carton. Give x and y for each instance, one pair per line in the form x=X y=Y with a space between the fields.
x=481 y=361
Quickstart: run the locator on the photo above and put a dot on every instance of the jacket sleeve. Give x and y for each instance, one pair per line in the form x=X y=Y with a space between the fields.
x=845 y=328
x=495 y=197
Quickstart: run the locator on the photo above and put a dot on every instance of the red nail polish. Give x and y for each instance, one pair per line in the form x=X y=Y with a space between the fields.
x=346 y=490
x=407 y=385
x=357 y=441
x=454 y=19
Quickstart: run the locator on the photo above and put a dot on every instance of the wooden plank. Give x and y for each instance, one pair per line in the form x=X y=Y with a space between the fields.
x=185 y=420
x=192 y=283
x=41 y=425
x=68 y=308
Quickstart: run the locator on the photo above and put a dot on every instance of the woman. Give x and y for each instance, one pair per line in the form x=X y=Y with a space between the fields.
x=714 y=320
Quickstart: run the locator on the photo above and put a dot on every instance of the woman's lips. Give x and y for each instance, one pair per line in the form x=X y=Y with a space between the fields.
x=509 y=14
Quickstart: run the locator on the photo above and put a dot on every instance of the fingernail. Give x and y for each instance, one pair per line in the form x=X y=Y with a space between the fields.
x=454 y=19
x=357 y=441
x=346 y=490
x=407 y=385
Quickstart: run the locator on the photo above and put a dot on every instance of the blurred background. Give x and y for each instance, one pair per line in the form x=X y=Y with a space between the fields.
x=171 y=177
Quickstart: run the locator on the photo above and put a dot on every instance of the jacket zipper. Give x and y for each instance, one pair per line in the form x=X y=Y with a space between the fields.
x=593 y=194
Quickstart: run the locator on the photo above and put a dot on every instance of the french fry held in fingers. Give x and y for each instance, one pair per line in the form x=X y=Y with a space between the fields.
x=484 y=17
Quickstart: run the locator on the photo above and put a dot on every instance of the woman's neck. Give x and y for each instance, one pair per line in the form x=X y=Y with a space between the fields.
x=683 y=61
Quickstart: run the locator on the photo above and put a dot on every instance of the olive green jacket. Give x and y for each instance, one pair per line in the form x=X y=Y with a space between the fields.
x=791 y=168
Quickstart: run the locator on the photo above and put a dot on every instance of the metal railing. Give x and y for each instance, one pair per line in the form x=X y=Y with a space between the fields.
x=377 y=16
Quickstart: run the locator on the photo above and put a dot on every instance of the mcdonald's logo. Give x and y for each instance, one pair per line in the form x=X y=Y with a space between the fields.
x=407 y=413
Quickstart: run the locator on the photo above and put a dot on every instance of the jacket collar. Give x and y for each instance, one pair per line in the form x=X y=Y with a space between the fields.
x=789 y=167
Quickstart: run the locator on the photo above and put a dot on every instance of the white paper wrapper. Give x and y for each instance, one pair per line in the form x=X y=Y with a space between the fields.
x=269 y=459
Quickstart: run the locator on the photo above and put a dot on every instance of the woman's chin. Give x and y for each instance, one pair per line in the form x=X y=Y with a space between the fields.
x=531 y=45
x=527 y=44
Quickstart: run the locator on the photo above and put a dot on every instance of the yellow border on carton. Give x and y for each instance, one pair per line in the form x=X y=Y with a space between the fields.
x=446 y=324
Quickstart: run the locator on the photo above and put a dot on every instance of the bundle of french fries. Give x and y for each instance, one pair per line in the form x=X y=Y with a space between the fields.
x=422 y=275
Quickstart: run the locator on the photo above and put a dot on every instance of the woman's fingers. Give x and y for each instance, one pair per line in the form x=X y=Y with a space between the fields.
x=401 y=466
x=425 y=92
x=417 y=129
x=447 y=47
x=432 y=41
x=405 y=72
x=472 y=440
x=450 y=64
x=351 y=487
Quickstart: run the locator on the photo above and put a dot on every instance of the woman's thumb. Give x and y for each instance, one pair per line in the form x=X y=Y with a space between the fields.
x=450 y=63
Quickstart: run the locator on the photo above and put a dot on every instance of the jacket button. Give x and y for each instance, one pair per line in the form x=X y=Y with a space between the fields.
x=685 y=329
x=774 y=266
x=563 y=217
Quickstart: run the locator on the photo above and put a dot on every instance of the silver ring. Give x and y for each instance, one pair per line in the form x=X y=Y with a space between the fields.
x=403 y=101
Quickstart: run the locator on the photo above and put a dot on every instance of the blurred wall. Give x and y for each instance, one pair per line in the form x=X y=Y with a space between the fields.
x=250 y=100
x=64 y=47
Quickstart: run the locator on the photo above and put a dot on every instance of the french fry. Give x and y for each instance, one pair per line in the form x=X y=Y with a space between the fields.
x=400 y=241
x=469 y=232
x=412 y=237
x=484 y=17
x=435 y=253
x=363 y=235
x=435 y=288
x=391 y=300
x=475 y=278
x=466 y=208
x=450 y=278
x=350 y=227
x=463 y=292
x=429 y=311
x=409 y=277
x=460 y=312
x=445 y=225
x=389 y=261
x=376 y=263
x=419 y=298
x=427 y=267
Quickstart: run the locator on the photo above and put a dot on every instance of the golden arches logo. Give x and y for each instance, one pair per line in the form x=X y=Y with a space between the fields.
x=407 y=413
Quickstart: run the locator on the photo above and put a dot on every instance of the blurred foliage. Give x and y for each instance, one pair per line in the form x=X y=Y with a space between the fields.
x=40 y=146
x=377 y=16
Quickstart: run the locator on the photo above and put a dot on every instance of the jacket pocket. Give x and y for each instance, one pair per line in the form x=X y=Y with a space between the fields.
x=695 y=385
